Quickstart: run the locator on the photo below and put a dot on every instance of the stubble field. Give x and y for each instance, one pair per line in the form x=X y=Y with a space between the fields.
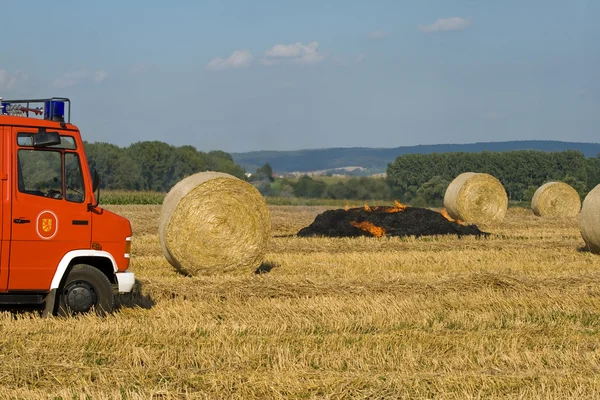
x=513 y=315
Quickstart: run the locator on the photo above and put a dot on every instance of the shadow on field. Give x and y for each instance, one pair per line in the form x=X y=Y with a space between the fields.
x=129 y=300
x=584 y=249
x=24 y=309
x=134 y=299
x=266 y=267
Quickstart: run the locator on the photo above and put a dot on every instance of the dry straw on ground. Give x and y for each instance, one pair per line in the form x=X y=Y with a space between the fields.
x=476 y=198
x=590 y=220
x=556 y=199
x=510 y=316
x=213 y=222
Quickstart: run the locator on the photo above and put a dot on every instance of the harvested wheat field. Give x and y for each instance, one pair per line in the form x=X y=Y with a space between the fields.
x=515 y=314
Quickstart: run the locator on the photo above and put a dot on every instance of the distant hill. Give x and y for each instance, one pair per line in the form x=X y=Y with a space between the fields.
x=375 y=160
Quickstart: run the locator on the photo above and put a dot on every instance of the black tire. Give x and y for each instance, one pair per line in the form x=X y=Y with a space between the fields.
x=86 y=288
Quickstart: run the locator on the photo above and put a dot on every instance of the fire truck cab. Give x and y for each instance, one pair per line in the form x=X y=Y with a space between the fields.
x=58 y=246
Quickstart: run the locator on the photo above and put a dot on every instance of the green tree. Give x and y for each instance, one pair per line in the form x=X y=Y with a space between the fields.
x=337 y=191
x=154 y=165
x=188 y=161
x=286 y=189
x=309 y=188
x=517 y=170
x=529 y=192
x=578 y=185
x=223 y=162
x=264 y=173
x=157 y=162
x=265 y=189
x=115 y=168
x=593 y=172
x=432 y=192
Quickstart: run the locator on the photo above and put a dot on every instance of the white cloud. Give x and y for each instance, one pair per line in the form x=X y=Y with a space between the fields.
x=99 y=76
x=297 y=53
x=10 y=81
x=77 y=77
x=237 y=59
x=446 y=24
x=378 y=35
x=70 y=79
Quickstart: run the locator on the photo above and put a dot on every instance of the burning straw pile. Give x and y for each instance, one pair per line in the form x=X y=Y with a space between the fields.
x=386 y=221
x=213 y=222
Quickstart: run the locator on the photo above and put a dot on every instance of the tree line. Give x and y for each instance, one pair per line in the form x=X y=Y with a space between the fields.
x=363 y=188
x=521 y=172
x=422 y=179
x=154 y=165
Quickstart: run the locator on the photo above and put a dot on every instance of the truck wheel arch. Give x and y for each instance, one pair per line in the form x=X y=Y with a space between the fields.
x=102 y=260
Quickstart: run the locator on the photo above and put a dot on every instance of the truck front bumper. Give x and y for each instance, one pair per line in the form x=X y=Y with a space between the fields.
x=125 y=281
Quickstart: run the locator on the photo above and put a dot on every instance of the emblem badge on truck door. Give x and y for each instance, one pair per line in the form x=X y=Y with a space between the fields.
x=47 y=225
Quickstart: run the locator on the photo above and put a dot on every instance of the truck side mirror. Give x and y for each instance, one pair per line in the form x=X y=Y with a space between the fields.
x=95 y=186
x=95 y=180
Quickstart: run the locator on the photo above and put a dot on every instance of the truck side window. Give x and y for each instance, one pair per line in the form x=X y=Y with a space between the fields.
x=74 y=178
x=40 y=173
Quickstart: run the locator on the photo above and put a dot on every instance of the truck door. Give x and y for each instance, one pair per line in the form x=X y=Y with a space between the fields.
x=49 y=211
x=4 y=209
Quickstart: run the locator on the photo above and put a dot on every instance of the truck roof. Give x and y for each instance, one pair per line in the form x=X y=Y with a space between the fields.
x=10 y=120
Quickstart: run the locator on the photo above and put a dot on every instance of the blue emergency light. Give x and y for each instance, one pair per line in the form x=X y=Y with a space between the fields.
x=54 y=110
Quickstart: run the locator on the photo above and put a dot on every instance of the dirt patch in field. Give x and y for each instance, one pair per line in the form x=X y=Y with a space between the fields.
x=386 y=221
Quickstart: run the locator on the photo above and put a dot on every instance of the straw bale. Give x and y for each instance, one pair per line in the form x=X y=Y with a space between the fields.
x=476 y=198
x=556 y=199
x=213 y=222
x=590 y=220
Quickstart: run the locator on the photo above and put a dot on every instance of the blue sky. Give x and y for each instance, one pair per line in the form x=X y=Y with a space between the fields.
x=284 y=75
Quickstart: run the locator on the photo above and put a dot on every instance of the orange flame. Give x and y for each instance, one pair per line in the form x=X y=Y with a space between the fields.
x=400 y=205
x=367 y=208
x=448 y=217
x=347 y=207
x=374 y=230
x=397 y=208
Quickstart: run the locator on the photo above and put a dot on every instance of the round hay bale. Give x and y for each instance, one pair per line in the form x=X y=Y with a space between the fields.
x=590 y=220
x=476 y=198
x=556 y=199
x=213 y=222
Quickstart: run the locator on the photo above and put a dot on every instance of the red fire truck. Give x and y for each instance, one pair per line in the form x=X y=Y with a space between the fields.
x=59 y=248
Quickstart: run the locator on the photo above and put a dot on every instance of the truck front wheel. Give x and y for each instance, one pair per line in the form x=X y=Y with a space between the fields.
x=86 y=288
